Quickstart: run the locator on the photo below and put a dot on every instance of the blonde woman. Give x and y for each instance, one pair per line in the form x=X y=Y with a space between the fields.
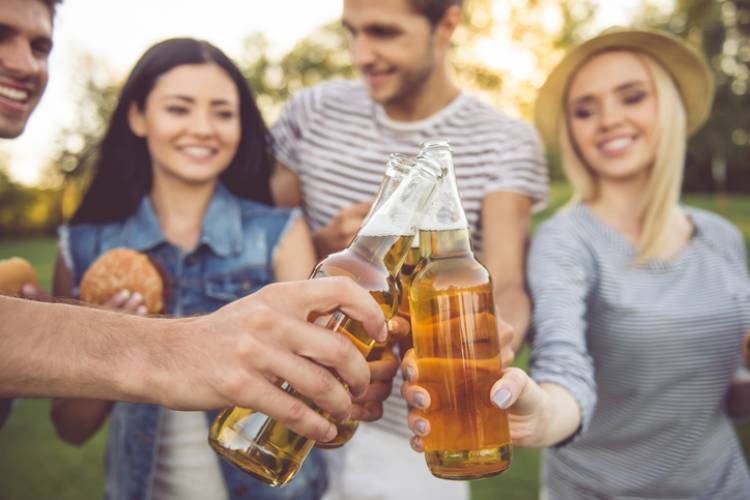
x=641 y=304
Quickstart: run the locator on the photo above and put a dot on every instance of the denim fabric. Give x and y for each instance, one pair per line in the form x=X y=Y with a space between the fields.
x=232 y=259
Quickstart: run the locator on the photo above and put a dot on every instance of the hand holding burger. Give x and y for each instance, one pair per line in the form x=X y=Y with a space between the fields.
x=124 y=279
x=16 y=272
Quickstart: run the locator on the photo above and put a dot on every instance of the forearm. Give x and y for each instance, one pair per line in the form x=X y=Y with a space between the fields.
x=72 y=351
x=513 y=306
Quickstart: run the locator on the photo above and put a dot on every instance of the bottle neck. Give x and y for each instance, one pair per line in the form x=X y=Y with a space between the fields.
x=443 y=244
x=445 y=212
x=388 y=232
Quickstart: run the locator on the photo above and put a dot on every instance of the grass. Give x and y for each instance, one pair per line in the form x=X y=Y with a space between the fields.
x=35 y=464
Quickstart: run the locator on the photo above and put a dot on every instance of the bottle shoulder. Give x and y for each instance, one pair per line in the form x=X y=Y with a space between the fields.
x=369 y=275
x=454 y=272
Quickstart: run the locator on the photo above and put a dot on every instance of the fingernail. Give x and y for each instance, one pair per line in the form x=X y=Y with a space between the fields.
x=413 y=443
x=141 y=310
x=420 y=400
x=421 y=426
x=410 y=373
x=384 y=333
x=501 y=398
x=137 y=296
x=331 y=433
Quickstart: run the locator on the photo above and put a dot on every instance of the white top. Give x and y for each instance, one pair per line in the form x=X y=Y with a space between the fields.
x=185 y=467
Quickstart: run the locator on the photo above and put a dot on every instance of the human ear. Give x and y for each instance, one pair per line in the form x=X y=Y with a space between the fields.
x=136 y=120
x=448 y=23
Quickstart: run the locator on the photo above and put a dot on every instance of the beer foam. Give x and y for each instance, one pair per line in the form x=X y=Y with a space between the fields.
x=381 y=225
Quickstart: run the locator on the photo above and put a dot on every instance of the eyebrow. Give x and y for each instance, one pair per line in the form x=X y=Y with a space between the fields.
x=377 y=25
x=190 y=100
x=622 y=87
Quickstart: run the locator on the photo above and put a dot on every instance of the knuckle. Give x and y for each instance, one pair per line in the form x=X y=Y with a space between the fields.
x=295 y=412
x=325 y=383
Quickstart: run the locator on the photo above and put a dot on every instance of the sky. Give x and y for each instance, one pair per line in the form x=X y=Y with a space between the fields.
x=117 y=32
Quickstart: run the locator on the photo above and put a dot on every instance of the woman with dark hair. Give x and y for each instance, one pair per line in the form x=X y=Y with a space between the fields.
x=182 y=176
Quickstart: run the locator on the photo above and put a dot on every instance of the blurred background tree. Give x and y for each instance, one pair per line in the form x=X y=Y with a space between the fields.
x=539 y=31
x=719 y=155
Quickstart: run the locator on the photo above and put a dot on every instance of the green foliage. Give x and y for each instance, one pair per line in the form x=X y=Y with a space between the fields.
x=718 y=157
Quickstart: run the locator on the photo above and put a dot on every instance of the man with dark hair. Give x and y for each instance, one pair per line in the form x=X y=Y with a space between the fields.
x=234 y=356
x=331 y=143
x=25 y=45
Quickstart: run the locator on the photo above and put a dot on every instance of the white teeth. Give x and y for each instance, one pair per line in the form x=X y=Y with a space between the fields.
x=616 y=145
x=198 y=151
x=13 y=94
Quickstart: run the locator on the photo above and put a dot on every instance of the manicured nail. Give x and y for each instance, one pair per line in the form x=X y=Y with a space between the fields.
x=413 y=443
x=501 y=398
x=420 y=400
x=421 y=426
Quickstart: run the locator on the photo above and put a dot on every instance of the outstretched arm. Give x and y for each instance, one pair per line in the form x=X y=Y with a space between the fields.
x=231 y=357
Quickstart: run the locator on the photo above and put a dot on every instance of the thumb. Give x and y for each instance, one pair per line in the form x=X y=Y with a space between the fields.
x=507 y=391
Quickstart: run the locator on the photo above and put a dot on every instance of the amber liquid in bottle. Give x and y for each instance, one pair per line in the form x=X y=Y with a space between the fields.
x=273 y=453
x=346 y=428
x=458 y=359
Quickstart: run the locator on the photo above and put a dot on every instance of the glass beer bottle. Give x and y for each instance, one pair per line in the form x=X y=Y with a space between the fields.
x=397 y=167
x=455 y=340
x=267 y=449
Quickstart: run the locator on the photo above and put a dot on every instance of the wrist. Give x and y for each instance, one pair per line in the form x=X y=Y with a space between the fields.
x=146 y=370
x=544 y=420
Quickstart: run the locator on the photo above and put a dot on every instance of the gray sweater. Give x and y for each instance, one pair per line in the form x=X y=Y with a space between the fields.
x=648 y=352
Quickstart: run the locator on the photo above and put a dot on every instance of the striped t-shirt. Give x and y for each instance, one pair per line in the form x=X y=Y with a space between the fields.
x=648 y=352
x=337 y=140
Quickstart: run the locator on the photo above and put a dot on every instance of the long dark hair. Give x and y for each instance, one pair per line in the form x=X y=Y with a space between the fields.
x=123 y=169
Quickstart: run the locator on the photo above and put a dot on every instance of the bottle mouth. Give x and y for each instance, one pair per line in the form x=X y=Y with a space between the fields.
x=399 y=164
x=436 y=143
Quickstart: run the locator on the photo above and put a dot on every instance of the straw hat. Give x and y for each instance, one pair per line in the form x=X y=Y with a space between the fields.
x=686 y=65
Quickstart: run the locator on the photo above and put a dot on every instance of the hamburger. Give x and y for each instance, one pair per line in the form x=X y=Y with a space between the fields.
x=14 y=273
x=123 y=269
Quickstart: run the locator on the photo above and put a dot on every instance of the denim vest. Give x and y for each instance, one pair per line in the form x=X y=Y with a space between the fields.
x=233 y=258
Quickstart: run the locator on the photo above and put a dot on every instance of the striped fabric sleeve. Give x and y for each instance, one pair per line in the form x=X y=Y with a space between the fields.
x=286 y=133
x=521 y=166
x=560 y=274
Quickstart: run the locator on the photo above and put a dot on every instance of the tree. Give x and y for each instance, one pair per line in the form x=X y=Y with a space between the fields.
x=719 y=155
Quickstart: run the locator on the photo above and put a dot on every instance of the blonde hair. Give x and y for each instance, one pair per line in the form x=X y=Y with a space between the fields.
x=660 y=199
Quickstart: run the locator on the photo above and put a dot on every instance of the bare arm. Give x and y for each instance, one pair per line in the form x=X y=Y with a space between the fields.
x=286 y=189
x=505 y=226
x=230 y=357
x=295 y=256
x=75 y=419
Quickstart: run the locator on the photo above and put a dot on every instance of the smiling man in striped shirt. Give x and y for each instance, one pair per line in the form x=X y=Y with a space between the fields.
x=331 y=143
